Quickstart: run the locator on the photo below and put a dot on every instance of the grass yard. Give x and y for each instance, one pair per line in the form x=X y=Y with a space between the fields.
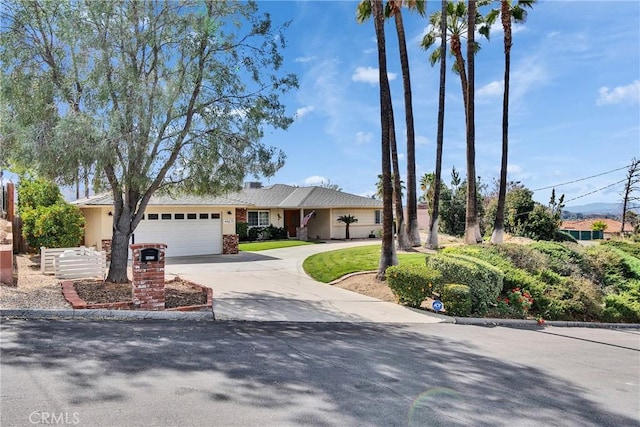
x=328 y=266
x=271 y=244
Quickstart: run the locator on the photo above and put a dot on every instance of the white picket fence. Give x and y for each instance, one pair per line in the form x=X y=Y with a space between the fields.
x=73 y=263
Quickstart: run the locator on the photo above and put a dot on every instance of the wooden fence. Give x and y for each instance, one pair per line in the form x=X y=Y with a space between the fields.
x=89 y=264
x=49 y=258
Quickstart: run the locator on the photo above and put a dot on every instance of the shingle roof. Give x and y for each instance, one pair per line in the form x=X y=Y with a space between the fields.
x=274 y=196
x=105 y=199
x=613 y=226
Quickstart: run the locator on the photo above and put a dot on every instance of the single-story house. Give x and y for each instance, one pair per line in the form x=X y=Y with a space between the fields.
x=192 y=225
x=582 y=229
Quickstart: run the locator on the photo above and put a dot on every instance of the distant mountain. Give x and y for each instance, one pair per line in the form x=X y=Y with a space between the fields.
x=604 y=209
x=596 y=208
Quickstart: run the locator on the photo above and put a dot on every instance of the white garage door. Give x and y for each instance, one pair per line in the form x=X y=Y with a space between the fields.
x=184 y=233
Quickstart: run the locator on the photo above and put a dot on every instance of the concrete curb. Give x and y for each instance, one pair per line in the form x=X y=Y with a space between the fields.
x=35 y=314
x=99 y=314
x=534 y=323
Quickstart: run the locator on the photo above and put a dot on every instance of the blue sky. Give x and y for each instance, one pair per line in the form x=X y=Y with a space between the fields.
x=575 y=93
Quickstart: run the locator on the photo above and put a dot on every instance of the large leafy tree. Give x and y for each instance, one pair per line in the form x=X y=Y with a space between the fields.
x=160 y=95
x=508 y=12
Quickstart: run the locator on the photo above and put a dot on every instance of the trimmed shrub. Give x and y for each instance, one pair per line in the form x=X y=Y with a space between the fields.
x=612 y=267
x=457 y=299
x=573 y=299
x=622 y=307
x=565 y=259
x=484 y=280
x=563 y=236
x=57 y=226
x=242 y=230
x=412 y=284
x=513 y=277
x=632 y=248
x=521 y=256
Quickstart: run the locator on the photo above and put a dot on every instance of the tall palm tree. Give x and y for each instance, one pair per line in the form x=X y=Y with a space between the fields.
x=394 y=8
x=472 y=227
x=432 y=232
x=388 y=256
x=401 y=231
x=508 y=12
x=460 y=24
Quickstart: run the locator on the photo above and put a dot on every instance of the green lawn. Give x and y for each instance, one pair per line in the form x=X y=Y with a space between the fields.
x=328 y=266
x=271 y=244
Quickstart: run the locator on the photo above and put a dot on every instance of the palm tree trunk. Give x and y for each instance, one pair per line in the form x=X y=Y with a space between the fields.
x=472 y=229
x=498 y=227
x=456 y=47
x=401 y=231
x=432 y=233
x=413 y=234
x=388 y=255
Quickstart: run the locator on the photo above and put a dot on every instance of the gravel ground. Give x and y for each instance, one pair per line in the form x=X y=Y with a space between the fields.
x=34 y=290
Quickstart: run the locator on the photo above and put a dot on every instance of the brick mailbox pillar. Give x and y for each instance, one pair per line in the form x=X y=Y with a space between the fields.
x=148 y=275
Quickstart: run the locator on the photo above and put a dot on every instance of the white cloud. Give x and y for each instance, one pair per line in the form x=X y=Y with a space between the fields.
x=496 y=28
x=304 y=59
x=315 y=180
x=629 y=94
x=363 y=137
x=422 y=141
x=301 y=112
x=369 y=75
x=512 y=168
x=494 y=88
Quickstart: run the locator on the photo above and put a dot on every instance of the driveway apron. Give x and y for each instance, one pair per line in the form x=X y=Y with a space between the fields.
x=272 y=286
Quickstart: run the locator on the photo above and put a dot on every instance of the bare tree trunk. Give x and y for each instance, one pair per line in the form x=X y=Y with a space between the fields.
x=432 y=236
x=633 y=178
x=388 y=255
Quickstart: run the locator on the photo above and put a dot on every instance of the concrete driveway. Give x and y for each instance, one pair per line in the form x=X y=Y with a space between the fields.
x=272 y=286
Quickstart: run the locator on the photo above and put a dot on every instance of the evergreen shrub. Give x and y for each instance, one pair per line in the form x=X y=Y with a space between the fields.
x=412 y=284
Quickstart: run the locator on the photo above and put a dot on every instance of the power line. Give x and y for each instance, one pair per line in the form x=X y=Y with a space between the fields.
x=595 y=191
x=581 y=179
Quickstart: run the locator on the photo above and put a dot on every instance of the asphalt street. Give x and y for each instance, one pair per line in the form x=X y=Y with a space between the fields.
x=182 y=373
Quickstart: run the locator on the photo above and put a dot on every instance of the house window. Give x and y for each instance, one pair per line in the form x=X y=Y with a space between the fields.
x=378 y=219
x=258 y=218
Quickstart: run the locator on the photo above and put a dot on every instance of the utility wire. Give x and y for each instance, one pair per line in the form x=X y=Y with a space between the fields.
x=595 y=191
x=582 y=179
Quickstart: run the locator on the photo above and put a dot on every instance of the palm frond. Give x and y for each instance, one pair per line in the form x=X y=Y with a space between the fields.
x=364 y=11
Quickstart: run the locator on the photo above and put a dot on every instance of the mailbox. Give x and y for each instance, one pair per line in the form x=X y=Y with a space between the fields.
x=149 y=255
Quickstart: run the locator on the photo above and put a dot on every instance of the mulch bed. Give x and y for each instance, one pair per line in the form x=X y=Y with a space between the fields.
x=178 y=293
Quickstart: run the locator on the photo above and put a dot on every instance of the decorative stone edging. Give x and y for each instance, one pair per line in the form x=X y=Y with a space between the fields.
x=70 y=294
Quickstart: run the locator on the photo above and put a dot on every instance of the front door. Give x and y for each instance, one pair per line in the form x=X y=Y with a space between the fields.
x=291 y=221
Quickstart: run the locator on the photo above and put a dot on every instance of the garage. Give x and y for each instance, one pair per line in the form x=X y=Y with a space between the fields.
x=185 y=233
